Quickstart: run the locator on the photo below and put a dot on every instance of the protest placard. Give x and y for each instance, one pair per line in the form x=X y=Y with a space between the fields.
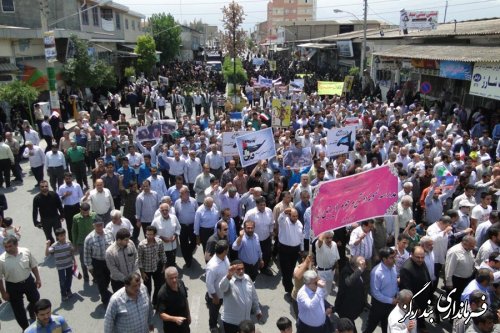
x=155 y=131
x=297 y=158
x=229 y=142
x=281 y=112
x=256 y=146
x=340 y=140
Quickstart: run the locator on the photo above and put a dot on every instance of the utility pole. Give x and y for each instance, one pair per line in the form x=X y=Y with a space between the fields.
x=363 y=45
x=445 y=11
x=49 y=42
x=234 y=55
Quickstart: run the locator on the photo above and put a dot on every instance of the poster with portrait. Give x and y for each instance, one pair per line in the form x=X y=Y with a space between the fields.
x=281 y=113
x=155 y=131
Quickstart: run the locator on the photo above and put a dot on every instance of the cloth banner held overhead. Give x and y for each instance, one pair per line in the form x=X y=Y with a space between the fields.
x=256 y=146
x=356 y=198
x=340 y=140
x=155 y=131
x=229 y=147
x=265 y=82
x=330 y=88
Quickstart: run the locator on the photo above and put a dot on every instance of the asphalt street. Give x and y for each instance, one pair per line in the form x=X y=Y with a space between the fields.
x=84 y=312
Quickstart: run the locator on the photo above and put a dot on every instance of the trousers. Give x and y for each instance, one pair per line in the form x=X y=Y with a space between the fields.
x=16 y=292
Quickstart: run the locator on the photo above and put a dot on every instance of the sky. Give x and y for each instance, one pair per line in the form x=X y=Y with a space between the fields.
x=185 y=11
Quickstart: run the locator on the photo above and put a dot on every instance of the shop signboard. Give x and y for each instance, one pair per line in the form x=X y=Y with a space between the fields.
x=457 y=70
x=486 y=80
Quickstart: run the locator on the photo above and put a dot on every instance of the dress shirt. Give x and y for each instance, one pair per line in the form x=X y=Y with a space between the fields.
x=6 y=152
x=54 y=160
x=124 y=224
x=216 y=270
x=112 y=183
x=326 y=256
x=296 y=192
x=176 y=166
x=48 y=206
x=95 y=246
x=264 y=224
x=128 y=175
x=174 y=193
x=249 y=250
x=473 y=286
x=32 y=136
x=46 y=129
x=150 y=256
x=312 y=306
x=121 y=260
x=201 y=183
x=307 y=223
x=459 y=263
x=395 y=326
x=365 y=247
x=146 y=205
x=462 y=223
x=485 y=250
x=76 y=194
x=482 y=233
x=127 y=315
x=134 y=160
x=215 y=161
x=240 y=299
x=35 y=155
x=232 y=203
x=17 y=268
x=192 y=168
x=384 y=283
x=440 y=239
x=101 y=202
x=289 y=233
x=205 y=218
x=158 y=185
x=186 y=210
x=429 y=262
x=168 y=228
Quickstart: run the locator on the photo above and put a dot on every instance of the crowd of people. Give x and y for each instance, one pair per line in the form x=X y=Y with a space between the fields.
x=100 y=189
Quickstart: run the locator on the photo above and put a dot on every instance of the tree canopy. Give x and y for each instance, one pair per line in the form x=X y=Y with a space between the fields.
x=18 y=93
x=233 y=40
x=167 y=35
x=146 y=50
x=82 y=71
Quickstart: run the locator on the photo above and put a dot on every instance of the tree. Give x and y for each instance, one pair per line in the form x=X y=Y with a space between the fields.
x=233 y=39
x=146 y=50
x=197 y=25
x=82 y=71
x=18 y=93
x=234 y=74
x=167 y=35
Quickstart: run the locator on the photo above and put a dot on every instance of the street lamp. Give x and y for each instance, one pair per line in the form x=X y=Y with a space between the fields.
x=363 y=46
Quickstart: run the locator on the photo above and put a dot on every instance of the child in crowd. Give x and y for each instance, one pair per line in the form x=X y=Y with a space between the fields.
x=62 y=250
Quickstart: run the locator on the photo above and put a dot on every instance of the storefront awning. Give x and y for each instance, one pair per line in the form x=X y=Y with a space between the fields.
x=465 y=53
x=8 y=67
x=317 y=45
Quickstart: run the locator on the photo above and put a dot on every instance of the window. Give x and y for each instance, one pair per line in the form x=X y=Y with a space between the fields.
x=85 y=15
x=133 y=25
x=95 y=16
x=126 y=24
x=118 y=21
x=8 y=6
x=107 y=14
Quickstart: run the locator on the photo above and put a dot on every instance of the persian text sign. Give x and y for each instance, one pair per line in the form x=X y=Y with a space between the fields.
x=355 y=198
x=340 y=140
x=330 y=88
x=256 y=146
x=485 y=80
x=229 y=143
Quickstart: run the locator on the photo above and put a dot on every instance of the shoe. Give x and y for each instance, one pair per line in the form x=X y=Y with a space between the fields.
x=214 y=330
x=65 y=297
x=267 y=271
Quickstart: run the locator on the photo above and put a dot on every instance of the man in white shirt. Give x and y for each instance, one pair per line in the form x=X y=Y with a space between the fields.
x=169 y=230
x=313 y=314
x=361 y=244
x=118 y=222
x=37 y=160
x=439 y=232
x=100 y=200
x=327 y=256
x=481 y=212
x=192 y=168
x=395 y=323
x=70 y=193
x=135 y=159
x=157 y=182
x=264 y=227
x=215 y=161
x=216 y=270
x=291 y=243
x=55 y=162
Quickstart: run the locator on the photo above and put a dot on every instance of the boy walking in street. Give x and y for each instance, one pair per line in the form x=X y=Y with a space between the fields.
x=62 y=250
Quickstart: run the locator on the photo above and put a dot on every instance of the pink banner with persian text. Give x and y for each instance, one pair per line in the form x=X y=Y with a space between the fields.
x=343 y=201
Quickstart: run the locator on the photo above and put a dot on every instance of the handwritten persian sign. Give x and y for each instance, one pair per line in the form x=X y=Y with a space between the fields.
x=362 y=196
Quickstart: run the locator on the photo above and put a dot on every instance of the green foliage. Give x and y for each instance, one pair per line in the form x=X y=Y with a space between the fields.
x=18 y=93
x=231 y=75
x=129 y=71
x=167 y=35
x=146 y=50
x=82 y=71
x=354 y=71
